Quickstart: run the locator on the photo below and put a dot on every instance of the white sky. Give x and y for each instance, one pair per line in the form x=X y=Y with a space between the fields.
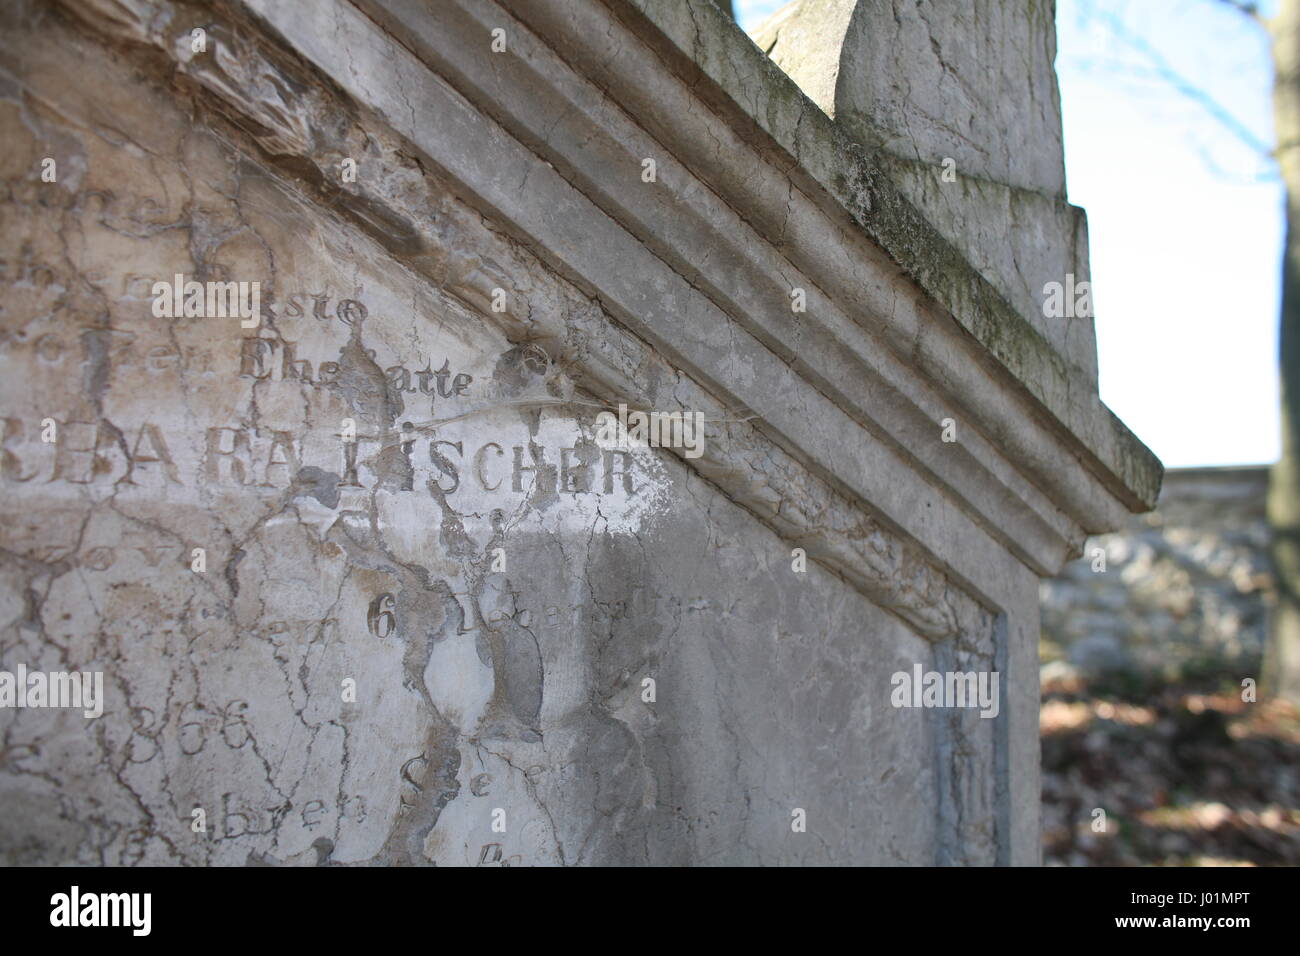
x=1185 y=220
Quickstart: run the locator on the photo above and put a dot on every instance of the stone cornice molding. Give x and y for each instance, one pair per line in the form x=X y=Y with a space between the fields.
x=799 y=467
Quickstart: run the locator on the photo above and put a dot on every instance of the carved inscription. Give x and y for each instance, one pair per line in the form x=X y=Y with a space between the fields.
x=100 y=453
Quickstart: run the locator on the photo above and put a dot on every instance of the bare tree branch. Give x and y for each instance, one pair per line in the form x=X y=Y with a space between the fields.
x=1165 y=70
x=1249 y=8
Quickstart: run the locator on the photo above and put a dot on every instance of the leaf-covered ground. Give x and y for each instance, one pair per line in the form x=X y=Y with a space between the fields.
x=1184 y=777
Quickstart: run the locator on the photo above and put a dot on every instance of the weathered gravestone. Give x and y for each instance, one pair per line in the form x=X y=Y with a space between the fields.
x=327 y=333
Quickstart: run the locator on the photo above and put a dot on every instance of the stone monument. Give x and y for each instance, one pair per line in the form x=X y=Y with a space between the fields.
x=477 y=433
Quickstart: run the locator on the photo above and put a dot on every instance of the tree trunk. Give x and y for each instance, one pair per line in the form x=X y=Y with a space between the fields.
x=1282 y=661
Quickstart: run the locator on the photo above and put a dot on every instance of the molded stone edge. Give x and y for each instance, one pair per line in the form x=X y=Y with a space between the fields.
x=281 y=114
x=736 y=77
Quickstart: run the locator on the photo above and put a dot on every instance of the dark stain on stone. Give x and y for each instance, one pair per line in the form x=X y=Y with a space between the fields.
x=319 y=484
x=97 y=366
x=361 y=384
x=232 y=573
x=521 y=366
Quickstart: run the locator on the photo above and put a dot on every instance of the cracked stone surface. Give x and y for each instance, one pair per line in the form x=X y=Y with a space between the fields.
x=519 y=689
x=367 y=583
x=971 y=86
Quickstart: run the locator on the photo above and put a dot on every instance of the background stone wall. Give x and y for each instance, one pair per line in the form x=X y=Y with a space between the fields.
x=1185 y=590
x=1153 y=752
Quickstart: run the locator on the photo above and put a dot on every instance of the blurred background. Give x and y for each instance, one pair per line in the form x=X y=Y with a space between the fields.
x=1171 y=650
